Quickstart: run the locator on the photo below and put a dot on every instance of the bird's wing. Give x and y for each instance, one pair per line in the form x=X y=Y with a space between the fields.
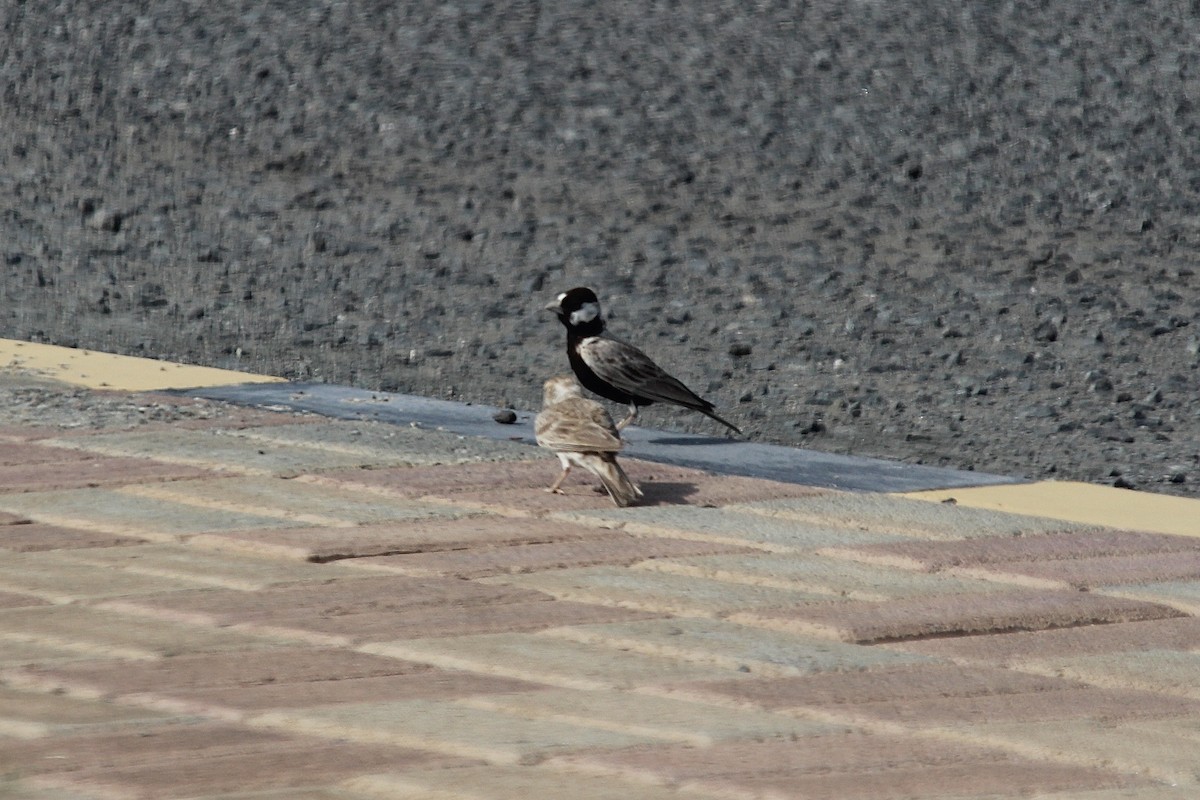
x=632 y=371
x=577 y=425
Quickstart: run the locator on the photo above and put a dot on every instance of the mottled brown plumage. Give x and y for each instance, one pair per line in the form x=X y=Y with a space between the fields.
x=582 y=434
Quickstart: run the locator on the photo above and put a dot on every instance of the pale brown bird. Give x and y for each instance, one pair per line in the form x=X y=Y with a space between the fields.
x=582 y=434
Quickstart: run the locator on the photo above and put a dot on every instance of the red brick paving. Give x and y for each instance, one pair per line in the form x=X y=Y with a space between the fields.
x=909 y=683
x=91 y=470
x=871 y=767
x=198 y=671
x=191 y=760
x=231 y=685
x=409 y=536
x=976 y=644
x=935 y=556
x=517 y=486
x=1103 y=706
x=449 y=479
x=467 y=620
x=336 y=599
x=24 y=454
x=36 y=537
x=701 y=490
x=950 y=615
x=1181 y=633
x=15 y=600
x=601 y=547
x=956 y=781
x=373 y=609
x=224 y=417
x=1087 y=573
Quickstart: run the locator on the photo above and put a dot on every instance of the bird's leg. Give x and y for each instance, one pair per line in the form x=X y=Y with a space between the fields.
x=632 y=416
x=553 y=488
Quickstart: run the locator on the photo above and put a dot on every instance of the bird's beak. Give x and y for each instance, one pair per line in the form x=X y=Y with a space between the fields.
x=555 y=307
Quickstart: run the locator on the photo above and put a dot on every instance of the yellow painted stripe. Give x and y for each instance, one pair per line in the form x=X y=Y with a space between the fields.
x=106 y=371
x=1082 y=502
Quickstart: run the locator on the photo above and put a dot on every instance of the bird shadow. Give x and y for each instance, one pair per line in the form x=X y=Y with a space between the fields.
x=666 y=494
x=692 y=441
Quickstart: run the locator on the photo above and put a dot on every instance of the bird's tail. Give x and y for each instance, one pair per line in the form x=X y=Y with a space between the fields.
x=710 y=413
x=622 y=490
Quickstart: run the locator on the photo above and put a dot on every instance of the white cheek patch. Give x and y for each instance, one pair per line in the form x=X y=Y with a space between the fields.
x=562 y=297
x=586 y=313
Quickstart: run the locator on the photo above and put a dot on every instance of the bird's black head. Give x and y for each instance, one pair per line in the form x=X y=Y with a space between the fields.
x=579 y=310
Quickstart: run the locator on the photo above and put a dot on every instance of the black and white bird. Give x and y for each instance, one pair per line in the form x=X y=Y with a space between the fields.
x=582 y=434
x=614 y=369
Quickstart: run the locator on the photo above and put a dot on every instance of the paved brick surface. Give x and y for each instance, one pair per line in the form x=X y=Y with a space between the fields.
x=29 y=715
x=738 y=648
x=97 y=632
x=109 y=511
x=191 y=565
x=35 y=537
x=848 y=765
x=497 y=782
x=661 y=593
x=905 y=682
x=89 y=471
x=1090 y=573
x=7 y=518
x=286 y=499
x=700 y=492
x=25 y=454
x=555 y=661
x=20 y=600
x=369 y=609
x=453 y=729
x=885 y=514
x=197 y=760
x=1169 y=672
x=1017 y=648
x=599 y=548
x=1183 y=596
x=661 y=717
x=246 y=604
x=358 y=594
x=831 y=576
x=58 y=578
x=771 y=534
x=420 y=535
x=933 y=556
x=919 y=617
x=1162 y=752
x=378 y=442
x=447 y=479
x=233 y=686
x=216 y=449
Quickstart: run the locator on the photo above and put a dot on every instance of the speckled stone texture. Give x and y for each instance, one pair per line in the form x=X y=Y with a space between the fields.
x=958 y=235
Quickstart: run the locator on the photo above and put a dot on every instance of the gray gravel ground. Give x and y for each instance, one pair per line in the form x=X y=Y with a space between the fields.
x=959 y=234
